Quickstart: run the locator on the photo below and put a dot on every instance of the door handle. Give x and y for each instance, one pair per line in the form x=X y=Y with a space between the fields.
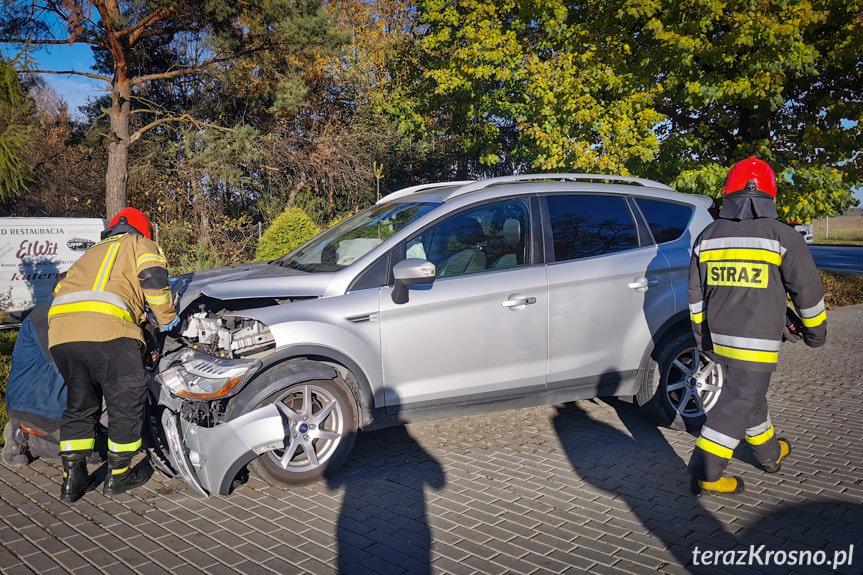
x=517 y=300
x=641 y=284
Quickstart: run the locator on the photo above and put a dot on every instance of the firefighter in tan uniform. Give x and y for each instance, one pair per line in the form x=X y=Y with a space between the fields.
x=742 y=267
x=97 y=343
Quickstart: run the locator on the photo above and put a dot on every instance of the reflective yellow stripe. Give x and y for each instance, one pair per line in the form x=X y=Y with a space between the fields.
x=741 y=254
x=105 y=269
x=714 y=448
x=160 y=299
x=761 y=437
x=746 y=354
x=91 y=306
x=696 y=317
x=814 y=321
x=737 y=274
x=77 y=444
x=147 y=258
x=119 y=471
x=124 y=447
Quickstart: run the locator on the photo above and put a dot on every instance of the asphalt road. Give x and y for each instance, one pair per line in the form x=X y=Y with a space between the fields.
x=840 y=259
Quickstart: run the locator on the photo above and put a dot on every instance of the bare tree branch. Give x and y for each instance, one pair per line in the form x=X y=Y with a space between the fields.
x=50 y=42
x=185 y=118
x=186 y=71
x=134 y=32
x=73 y=73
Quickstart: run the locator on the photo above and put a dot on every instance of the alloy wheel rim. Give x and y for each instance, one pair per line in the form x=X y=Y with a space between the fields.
x=694 y=383
x=316 y=428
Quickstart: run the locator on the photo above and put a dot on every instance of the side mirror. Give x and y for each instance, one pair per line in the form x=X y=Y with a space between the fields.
x=411 y=272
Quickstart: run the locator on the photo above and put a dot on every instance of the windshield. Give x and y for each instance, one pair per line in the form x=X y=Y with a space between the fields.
x=349 y=240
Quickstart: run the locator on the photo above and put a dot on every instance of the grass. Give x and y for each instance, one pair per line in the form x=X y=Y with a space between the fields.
x=839 y=290
x=845 y=229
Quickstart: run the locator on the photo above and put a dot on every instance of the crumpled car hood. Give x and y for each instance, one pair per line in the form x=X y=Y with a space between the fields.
x=249 y=281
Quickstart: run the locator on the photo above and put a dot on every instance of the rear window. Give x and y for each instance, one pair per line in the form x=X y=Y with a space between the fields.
x=667 y=220
x=584 y=226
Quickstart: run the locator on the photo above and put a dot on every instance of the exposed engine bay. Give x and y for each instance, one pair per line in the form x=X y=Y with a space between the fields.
x=207 y=411
x=197 y=369
x=226 y=335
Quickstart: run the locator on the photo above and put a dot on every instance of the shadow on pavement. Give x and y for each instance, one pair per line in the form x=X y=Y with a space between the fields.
x=384 y=512
x=635 y=469
x=818 y=537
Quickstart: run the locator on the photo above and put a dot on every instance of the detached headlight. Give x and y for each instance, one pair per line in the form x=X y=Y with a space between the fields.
x=202 y=376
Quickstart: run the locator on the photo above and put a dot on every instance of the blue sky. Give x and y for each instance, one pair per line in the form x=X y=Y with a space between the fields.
x=74 y=89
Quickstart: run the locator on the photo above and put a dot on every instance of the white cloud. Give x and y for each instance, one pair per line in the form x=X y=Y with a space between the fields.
x=75 y=90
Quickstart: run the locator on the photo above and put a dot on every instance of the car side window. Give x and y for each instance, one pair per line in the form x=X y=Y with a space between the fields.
x=667 y=220
x=490 y=237
x=584 y=226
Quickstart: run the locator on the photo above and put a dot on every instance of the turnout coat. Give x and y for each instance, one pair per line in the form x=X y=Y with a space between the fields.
x=742 y=267
x=106 y=292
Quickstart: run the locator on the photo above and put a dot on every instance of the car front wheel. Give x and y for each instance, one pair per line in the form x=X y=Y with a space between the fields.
x=322 y=417
x=682 y=384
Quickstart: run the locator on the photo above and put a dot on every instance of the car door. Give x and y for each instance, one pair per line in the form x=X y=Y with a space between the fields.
x=669 y=224
x=609 y=290
x=479 y=332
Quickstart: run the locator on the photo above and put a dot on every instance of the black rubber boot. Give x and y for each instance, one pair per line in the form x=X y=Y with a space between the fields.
x=121 y=477
x=15 y=453
x=76 y=478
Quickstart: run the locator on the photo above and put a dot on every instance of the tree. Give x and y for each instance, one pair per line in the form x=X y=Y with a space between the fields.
x=63 y=161
x=519 y=85
x=138 y=43
x=14 y=132
x=677 y=91
x=779 y=80
x=323 y=158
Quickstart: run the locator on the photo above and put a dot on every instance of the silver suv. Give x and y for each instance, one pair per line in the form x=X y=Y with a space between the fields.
x=440 y=300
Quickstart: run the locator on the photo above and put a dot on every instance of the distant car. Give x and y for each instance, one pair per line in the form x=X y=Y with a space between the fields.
x=80 y=244
x=440 y=300
x=806 y=230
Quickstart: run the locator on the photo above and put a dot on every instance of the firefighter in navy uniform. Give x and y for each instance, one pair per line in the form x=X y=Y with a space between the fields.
x=98 y=345
x=742 y=267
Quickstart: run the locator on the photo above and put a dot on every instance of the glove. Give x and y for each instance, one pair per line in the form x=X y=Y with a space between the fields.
x=793 y=331
x=171 y=325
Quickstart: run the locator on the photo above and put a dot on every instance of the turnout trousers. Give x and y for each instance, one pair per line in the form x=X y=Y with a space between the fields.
x=740 y=412
x=111 y=369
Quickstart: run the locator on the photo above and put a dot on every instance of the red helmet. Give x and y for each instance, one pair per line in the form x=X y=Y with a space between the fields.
x=750 y=170
x=136 y=219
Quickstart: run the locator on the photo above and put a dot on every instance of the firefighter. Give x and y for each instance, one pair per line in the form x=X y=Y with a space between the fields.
x=742 y=267
x=95 y=335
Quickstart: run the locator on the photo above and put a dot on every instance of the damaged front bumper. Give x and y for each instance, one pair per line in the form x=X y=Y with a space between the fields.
x=209 y=458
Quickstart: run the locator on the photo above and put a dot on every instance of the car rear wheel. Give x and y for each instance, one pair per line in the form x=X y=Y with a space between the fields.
x=322 y=418
x=682 y=384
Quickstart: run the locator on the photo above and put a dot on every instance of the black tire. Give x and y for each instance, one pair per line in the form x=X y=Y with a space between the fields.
x=681 y=384
x=323 y=428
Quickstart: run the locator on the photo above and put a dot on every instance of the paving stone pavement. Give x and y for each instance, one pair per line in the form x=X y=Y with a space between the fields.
x=584 y=487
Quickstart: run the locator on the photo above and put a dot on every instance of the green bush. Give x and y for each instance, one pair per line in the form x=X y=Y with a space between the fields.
x=290 y=230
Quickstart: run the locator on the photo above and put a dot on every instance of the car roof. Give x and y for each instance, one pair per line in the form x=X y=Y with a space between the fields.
x=443 y=191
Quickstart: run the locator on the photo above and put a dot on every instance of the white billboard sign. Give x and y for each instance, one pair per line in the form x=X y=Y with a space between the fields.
x=33 y=251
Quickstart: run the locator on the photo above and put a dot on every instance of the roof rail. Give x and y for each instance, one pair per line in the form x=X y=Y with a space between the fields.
x=419 y=188
x=478 y=185
x=467 y=186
